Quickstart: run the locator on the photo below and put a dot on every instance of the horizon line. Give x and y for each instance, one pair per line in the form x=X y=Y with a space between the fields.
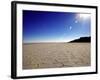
x=53 y=41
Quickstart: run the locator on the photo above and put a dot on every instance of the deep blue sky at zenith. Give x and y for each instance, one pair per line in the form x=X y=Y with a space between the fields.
x=43 y=26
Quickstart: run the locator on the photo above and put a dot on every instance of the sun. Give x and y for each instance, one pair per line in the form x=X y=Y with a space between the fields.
x=84 y=16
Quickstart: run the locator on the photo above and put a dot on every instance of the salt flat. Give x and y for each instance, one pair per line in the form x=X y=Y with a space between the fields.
x=55 y=55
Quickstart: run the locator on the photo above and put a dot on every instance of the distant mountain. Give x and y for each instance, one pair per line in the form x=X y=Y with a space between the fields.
x=82 y=39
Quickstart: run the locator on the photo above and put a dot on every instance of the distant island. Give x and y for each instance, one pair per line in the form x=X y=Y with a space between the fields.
x=82 y=39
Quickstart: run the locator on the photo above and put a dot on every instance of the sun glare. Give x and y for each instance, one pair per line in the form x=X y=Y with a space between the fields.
x=84 y=16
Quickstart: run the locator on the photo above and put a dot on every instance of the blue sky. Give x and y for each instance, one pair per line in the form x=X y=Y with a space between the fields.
x=43 y=26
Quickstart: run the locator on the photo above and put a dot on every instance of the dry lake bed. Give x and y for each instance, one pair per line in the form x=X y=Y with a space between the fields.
x=55 y=55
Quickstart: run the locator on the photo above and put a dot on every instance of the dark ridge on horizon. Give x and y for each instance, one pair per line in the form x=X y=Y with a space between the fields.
x=82 y=39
